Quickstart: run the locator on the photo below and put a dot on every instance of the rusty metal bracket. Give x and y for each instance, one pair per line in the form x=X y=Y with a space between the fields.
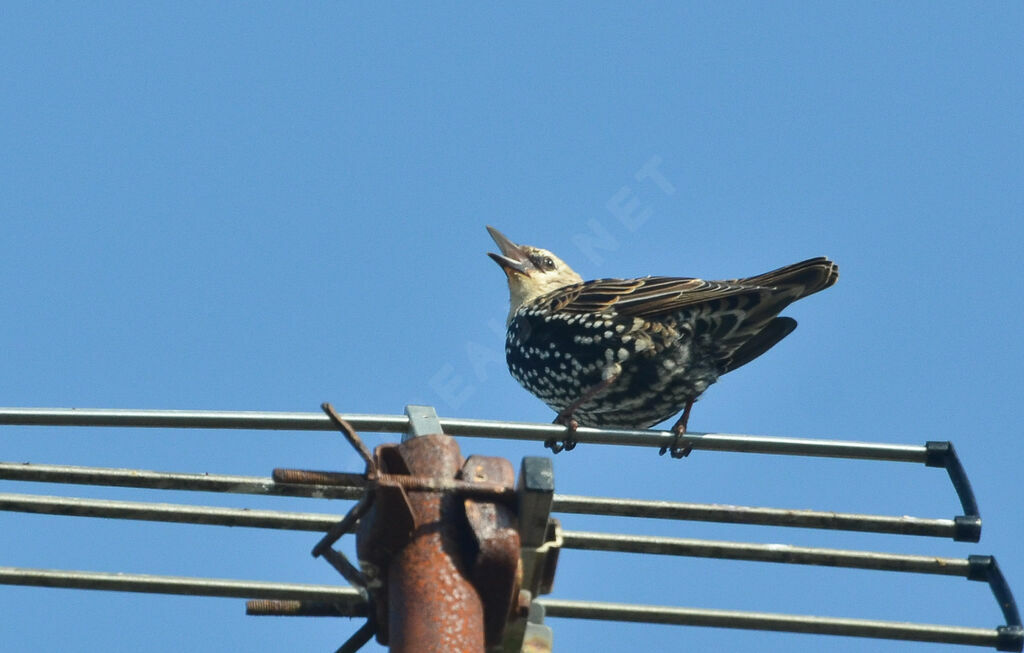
x=440 y=541
x=496 y=569
x=429 y=600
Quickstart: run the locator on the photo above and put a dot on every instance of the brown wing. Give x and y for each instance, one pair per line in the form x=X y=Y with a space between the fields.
x=645 y=297
x=653 y=296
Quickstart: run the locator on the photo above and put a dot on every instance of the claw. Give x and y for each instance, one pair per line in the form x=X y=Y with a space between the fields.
x=568 y=443
x=679 y=448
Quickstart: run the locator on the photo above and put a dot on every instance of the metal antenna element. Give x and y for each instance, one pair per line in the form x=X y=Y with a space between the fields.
x=444 y=540
x=933 y=454
x=338 y=485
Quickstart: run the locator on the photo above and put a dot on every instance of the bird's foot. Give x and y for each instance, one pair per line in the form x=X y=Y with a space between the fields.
x=679 y=448
x=568 y=443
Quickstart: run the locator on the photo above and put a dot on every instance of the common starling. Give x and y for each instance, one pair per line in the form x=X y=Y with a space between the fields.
x=630 y=353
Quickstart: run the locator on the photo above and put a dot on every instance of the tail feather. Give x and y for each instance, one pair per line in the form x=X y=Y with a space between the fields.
x=806 y=277
x=762 y=341
x=761 y=328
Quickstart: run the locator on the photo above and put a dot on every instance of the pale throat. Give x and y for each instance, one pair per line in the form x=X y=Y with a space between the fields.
x=523 y=291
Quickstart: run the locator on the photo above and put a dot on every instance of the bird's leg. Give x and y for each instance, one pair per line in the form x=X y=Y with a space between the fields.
x=679 y=448
x=565 y=417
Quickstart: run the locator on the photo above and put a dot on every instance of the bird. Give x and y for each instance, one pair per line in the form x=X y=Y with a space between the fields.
x=631 y=353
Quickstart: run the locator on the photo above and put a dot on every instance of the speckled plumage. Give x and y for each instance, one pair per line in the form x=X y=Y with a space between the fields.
x=631 y=353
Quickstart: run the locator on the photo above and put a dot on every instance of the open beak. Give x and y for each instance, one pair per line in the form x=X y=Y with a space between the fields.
x=512 y=257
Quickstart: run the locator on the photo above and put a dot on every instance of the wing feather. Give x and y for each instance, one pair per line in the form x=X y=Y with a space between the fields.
x=648 y=297
x=644 y=297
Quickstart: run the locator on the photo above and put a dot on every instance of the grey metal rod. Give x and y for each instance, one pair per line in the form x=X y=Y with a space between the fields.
x=142 y=478
x=167 y=512
x=568 y=503
x=699 y=440
x=563 y=503
x=239 y=589
x=192 y=419
x=352 y=598
x=465 y=427
x=770 y=621
x=764 y=553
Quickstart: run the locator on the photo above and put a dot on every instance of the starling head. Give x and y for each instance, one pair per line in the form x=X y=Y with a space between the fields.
x=531 y=271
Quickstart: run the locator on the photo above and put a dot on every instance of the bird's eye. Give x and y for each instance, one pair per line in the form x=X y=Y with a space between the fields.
x=544 y=263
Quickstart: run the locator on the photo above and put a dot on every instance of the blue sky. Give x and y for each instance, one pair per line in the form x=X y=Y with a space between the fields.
x=265 y=206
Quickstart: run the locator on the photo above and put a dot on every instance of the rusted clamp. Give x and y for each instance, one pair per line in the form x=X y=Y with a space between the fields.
x=443 y=543
x=437 y=540
x=496 y=569
x=440 y=547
